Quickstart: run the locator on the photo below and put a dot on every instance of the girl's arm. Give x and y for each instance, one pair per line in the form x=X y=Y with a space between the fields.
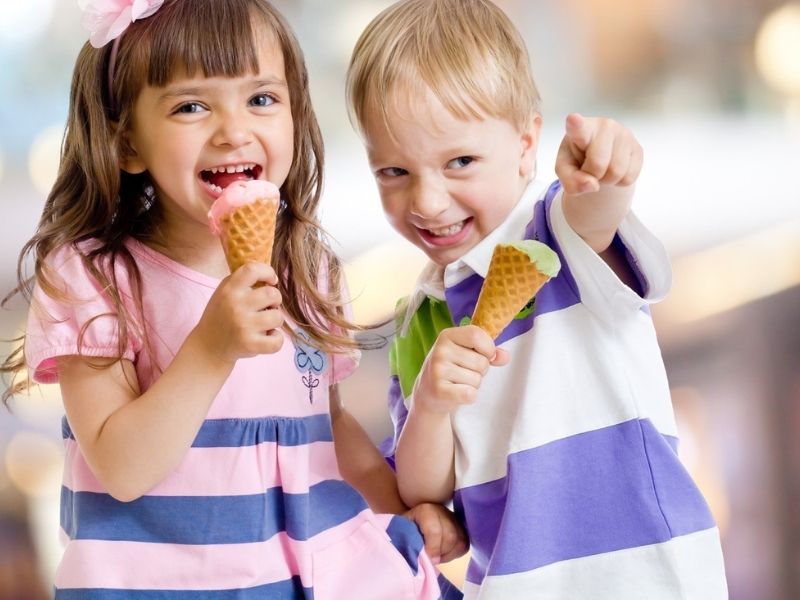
x=360 y=462
x=132 y=440
x=363 y=467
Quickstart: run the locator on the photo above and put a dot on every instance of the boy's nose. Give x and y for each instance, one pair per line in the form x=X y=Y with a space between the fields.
x=233 y=131
x=429 y=200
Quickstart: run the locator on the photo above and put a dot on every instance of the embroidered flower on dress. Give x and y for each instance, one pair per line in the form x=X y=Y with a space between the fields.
x=106 y=20
x=308 y=359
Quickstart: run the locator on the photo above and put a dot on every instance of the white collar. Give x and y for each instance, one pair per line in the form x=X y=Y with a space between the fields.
x=433 y=279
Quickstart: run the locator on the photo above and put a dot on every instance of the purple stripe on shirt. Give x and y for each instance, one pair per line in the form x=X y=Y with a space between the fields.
x=399 y=414
x=613 y=488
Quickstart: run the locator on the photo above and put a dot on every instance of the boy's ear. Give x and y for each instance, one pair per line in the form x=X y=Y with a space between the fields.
x=529 y=144
x=129 y=160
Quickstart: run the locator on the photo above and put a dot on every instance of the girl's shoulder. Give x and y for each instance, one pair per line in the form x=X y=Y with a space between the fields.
x=76 y=271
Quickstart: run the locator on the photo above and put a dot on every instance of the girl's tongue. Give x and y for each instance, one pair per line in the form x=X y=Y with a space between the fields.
x=222 y=177
x=223 y=180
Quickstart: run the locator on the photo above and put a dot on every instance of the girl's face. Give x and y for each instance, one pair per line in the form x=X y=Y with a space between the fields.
x=196 y=135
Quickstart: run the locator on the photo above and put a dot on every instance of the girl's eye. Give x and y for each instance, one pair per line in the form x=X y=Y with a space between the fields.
x=262 y=100
x=392 y=172
x=189 y=107
x=460 y=162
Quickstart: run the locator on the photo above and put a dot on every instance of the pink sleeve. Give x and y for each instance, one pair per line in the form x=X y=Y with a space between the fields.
x=54 y=325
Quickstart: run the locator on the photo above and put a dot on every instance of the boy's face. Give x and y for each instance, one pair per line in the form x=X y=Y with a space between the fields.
x=445 y=183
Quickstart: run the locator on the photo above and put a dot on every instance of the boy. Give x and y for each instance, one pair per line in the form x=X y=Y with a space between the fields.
x=563 y=465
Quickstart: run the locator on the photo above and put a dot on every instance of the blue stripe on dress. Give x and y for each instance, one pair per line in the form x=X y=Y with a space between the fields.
x=209 y=519
x=291 y=588
x=613 y=488
x=234 y=433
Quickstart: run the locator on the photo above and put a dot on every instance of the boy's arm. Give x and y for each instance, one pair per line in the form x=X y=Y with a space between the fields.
x=449 y=378
x=360 y=462
x=598 y=164
x=363 y=467
x=424 y=458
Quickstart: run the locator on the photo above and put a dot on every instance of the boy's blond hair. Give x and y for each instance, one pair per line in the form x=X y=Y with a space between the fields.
x=467 y=52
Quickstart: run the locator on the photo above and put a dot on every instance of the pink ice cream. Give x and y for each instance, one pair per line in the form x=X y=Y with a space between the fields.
x=237 y=194
x=244 y=218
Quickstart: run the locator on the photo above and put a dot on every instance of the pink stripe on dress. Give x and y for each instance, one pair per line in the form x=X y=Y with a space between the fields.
x=227 y=471
x=142 y=566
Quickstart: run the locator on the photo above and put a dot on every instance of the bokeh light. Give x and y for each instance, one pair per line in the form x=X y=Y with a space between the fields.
x=43 y=158
x=34 y=462
x=23 y=22
x=778 y=48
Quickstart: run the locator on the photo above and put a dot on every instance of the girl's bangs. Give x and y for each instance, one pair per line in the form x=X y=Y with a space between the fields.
x=199 y=38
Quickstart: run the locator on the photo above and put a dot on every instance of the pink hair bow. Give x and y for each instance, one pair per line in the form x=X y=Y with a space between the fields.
x=106 y=20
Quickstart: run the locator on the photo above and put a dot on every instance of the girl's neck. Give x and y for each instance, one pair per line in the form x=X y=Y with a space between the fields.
x=202 y=253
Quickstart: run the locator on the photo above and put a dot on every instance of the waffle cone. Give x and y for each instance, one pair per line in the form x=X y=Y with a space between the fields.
x=248 y=232
x=512 y=280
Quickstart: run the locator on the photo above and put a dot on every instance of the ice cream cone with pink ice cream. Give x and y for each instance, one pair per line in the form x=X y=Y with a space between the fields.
x=244 y=216
x=516 y=274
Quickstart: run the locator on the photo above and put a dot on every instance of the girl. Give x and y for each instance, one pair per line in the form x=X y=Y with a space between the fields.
x=200 y=457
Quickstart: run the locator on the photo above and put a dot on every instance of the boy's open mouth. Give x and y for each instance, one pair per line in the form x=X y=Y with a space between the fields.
x=218 y=178
x=447 y=236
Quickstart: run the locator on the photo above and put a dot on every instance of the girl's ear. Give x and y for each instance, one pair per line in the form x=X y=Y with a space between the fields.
x=129 y=160
x=529 y=144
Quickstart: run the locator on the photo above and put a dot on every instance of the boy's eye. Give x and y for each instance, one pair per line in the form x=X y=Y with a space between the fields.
x=393 y=172
x=460 y=162
x=189 y=107
x=262 y=100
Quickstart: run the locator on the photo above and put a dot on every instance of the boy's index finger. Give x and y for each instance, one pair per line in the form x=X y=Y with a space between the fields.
x=579 y=131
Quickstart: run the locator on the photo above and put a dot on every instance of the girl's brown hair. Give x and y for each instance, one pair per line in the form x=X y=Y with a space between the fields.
x=92 y=199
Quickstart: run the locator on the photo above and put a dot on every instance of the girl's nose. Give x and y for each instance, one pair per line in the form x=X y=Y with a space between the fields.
x=233 y=131
x=429 y=199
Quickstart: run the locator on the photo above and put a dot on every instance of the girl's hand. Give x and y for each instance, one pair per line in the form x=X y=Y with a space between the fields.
x=243 y=320
x=445 y=538
x=597 y=151
x=454 y=369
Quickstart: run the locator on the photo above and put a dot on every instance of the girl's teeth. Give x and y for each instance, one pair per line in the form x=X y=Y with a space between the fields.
x=216 y=188
x=233 y=168
x=447 y=231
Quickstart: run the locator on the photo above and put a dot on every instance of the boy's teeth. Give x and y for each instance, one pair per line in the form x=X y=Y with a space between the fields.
x=216 y=188
x=446 y=231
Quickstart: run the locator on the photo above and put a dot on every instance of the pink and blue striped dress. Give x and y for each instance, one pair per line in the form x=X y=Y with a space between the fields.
x=257 y=508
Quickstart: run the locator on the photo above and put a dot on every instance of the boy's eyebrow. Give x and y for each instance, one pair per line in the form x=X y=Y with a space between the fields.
x=196 y=90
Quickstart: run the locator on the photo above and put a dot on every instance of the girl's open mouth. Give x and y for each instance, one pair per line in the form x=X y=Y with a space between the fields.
x=218 y=178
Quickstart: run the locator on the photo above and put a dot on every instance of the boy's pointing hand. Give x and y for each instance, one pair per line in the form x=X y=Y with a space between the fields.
x=597 y=151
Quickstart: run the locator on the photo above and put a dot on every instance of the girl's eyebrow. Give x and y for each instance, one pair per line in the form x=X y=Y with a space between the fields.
x=196 y=90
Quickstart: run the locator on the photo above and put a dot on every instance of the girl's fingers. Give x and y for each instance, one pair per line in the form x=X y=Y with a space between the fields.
x=251 y=273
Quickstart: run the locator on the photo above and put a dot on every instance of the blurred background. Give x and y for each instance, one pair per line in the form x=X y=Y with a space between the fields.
x=712 y=90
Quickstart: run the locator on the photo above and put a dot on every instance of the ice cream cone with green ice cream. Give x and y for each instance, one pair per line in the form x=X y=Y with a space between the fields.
x=516 y=273
x=244 y=216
